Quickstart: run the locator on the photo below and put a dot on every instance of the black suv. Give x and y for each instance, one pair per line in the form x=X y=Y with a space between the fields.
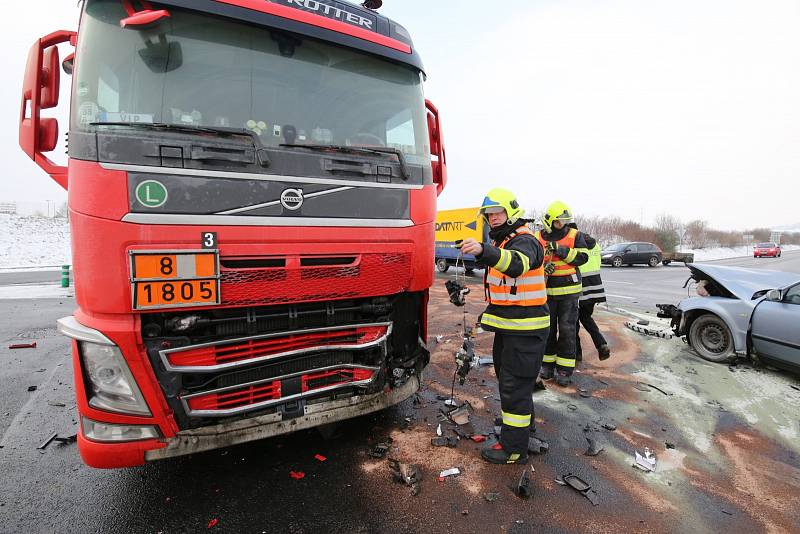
x=631 y=254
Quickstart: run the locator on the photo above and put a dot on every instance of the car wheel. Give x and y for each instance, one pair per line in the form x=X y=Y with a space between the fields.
x=617 y=262
x=711 y=338
x=653 y=261
x=442 y=265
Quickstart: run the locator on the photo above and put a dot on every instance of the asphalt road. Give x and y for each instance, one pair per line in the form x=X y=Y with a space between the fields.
x=735 y=469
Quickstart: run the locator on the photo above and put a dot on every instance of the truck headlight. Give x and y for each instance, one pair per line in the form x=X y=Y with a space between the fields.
x=111 y=384
x=110 y=432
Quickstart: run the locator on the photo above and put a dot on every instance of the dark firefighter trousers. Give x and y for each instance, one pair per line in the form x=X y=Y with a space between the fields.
x=517 y=361
x=561 y=346
x=585 y=312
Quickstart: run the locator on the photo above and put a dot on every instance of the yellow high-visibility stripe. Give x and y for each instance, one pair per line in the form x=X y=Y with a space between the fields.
x=573 y=253
x=526 y=262
x=532 y=323
x=567 y=290
x=504 y=262
x=517 y=421
x=564 y=362
x=549 y=358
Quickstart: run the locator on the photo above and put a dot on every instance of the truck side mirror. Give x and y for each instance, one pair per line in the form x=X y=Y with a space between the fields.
x=437 y=147
x=40 y=90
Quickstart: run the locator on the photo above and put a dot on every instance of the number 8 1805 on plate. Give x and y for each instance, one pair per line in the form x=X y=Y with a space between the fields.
x=175 y=294
x=174 y=279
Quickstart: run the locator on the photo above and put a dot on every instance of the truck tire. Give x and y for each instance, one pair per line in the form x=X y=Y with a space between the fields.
x=617 y=262
x=653 y=261
x=711 y=339
x=442 y=265
x=666 y=262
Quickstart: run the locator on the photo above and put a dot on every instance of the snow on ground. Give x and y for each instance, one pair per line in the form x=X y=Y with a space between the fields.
x=722 y=253
x=33 y=241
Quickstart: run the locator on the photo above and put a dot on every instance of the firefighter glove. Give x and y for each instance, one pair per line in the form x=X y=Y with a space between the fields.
x=549 y=268
x=561 y=252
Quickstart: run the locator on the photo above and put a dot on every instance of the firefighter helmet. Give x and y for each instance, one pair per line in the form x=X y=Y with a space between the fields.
x=558 y=211
x=499 y=198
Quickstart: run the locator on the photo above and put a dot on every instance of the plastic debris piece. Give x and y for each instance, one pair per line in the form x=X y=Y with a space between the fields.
x=595 y=448
x=23 y=346
x=450 y=402
x=670 y=445
x=439 y=339
x=66 y=440
x=48 y=441
x=609 y=426
x=584 y=393
x=537 y=446
x=572 y=407
x=31 y=388
x=460 y=415
x=320 y=458
x=523 y=489
x=491 y=497
x=408 y=474
x=445 y=441
x=213 y=523
x=646 y=461
x=452 y=472
x=297 y=475
x=56 y=404
x=643 y=322
x=478 y=438
x=582 y=487
x=380 y=450
x=483 y=362
x=439 y=430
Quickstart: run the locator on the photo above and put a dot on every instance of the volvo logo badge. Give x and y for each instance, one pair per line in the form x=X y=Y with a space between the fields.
x=292 y=199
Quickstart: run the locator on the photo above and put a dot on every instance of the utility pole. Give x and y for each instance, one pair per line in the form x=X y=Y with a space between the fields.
x=48 y=208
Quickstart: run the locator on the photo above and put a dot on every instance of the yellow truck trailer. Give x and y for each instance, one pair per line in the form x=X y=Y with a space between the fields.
x=454 y=225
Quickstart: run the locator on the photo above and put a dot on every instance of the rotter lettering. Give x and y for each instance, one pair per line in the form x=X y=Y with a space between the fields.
x=332 y=12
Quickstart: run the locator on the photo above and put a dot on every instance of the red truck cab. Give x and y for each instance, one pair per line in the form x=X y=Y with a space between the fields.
x=252 y=190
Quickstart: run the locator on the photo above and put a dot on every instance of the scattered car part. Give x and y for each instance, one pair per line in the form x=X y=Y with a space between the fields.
x=523 y=489
x=32 y=388
x=582 y=487
x=445 y=441
x=649 y=331
x=537 y=446
x=66 y=440
x=609 y=426
x=408 y=474
x=23 y=346
x=380 y=450
x=491 y=497
x=48 y=441
x=297 y=475
x=646 y=462
x=319 y=458
x=452 y=472
x=595 y=448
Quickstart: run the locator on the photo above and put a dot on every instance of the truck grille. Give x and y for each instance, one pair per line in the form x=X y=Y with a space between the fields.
x=368 y=275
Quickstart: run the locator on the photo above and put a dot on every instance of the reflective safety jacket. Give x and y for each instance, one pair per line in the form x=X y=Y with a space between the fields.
x=565 y=282
x=515 y=285
x=593 y=290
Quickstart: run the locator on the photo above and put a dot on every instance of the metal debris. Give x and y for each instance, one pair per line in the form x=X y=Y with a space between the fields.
x=23 y=346
x=537 y=446
x=646 y=462
x=66 y=440
x=31 y=388
x=445 y=441
x=452 y=472
x=483 y=362
x=48 y=441
x=595 y=448
x=408 y=474
x=56 y=404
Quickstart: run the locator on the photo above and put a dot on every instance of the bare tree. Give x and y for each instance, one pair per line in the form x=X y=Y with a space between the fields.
x=697 y=233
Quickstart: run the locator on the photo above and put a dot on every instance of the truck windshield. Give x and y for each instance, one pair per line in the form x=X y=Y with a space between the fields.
x=199 y=70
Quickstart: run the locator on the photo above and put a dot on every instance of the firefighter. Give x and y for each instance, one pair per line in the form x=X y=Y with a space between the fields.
x=517 y=313
x=593 y=294
x=565 y=251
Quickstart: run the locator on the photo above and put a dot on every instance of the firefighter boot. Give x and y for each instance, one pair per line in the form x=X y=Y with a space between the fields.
x=497 y=455
x=563 y=379
x=604 y=351
x=547 y=372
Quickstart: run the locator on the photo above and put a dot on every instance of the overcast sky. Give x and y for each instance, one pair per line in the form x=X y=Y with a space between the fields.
x=617 y=107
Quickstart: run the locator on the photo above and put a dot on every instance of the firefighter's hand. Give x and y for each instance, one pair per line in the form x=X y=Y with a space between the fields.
x=549 y=269
x=470 y=246
x=561 y=252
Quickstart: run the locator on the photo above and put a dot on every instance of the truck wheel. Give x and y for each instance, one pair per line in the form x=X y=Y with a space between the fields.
x=617 y=262
x=711 y=338
x=666 y=262
x=653 y=261
x=442 y=265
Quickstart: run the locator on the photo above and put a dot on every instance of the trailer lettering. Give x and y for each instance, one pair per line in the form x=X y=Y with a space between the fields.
x=449 y=226
x=333 y=12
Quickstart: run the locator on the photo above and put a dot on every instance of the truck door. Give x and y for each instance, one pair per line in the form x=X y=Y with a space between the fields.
x=775 y=333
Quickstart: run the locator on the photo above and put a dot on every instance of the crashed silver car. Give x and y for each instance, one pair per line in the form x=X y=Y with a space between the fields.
x=740 y=312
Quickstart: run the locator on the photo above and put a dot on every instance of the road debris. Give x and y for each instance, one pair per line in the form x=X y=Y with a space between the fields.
x=66 y=440
x=48 y=441
x=56 y=404
x=320 y=458
x=297 y=475
x=213 y=523
x=795 y=387
x=523 y=489
x=584 y=393
x=664 y=333
x=23 y=346
x=669 y=445
x=595 y=448
x=484 y=362
x=445 y=441
x=609 y=426
x=452 y=472
x=32 y=388
x=645 y=462
x=439 y=339
x=478 y=438
x=537 y=446
x=572 y=407
x=408 y=474
x=380 y=450
x=491 y=497
x=581 y=486
x=439 y=430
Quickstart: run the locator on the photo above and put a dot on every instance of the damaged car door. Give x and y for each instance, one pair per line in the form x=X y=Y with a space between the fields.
x=776 y=327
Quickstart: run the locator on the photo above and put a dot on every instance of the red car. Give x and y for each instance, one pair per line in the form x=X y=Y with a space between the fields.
x=767 y=250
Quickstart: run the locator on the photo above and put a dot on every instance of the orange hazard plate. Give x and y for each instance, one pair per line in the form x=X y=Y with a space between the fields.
x=176 y=266
x=180 y=293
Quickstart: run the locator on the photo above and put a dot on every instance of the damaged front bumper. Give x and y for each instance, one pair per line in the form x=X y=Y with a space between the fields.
x=234 y=433
x=675 y=315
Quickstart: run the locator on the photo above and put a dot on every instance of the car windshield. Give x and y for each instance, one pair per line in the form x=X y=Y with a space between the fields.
x=198 y=70
x=619 y=246
x=766 y=245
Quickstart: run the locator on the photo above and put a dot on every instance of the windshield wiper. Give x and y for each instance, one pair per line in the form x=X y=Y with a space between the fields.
x=406 y=174
x=260 y=150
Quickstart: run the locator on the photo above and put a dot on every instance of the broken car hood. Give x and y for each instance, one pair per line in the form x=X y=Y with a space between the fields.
x=743 y=282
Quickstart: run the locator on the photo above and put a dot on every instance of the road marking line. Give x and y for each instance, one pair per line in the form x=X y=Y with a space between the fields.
x=615 y=282
x=620 y=296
